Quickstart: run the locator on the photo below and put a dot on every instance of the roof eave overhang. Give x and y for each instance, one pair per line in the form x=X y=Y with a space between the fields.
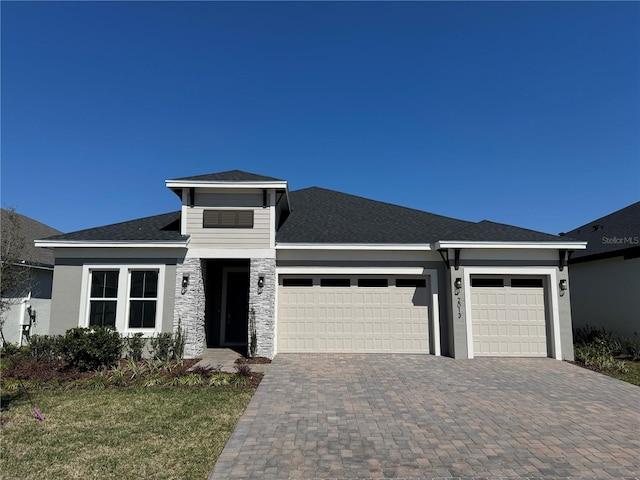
x=108 y=244
x=225 y=184
x=354 y=246
x=443 y=244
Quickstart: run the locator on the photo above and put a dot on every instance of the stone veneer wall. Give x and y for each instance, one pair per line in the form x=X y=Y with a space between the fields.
x=263 y=301
x=189 y=306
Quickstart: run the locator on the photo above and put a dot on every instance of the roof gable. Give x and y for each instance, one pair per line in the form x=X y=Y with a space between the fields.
x=230 y=176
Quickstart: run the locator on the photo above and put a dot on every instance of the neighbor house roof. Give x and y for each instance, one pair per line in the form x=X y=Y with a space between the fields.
x=30 y=229
x=230 y=176
x=158 y=228
x=319 y=215
x=615 y=234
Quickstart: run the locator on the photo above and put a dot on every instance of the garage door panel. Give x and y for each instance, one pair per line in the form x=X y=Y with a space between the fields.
x=360 y=319
x=508 y=321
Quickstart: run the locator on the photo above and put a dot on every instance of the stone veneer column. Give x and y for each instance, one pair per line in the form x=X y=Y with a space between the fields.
x=263 y=302
x=189 y=306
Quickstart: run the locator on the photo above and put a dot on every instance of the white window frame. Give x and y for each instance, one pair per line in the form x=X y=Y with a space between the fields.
x=123 y=298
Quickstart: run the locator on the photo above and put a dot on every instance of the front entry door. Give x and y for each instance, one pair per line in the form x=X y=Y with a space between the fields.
x=236 y=307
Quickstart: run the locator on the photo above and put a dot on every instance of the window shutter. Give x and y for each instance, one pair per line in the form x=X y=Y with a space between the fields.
x=227 y=219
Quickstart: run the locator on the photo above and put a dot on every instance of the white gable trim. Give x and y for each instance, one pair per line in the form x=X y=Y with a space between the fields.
x=225 y=184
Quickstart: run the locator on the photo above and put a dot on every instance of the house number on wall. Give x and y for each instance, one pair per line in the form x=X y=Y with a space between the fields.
x=459 y=304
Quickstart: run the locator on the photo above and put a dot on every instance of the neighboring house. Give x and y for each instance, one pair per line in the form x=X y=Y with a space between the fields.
x=315 y=270
x=605 y=278
x=31 y=303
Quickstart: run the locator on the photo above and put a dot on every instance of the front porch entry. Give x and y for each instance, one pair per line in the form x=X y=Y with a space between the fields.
x=227 y=304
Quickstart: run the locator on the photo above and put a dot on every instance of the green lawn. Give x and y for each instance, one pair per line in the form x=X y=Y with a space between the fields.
x=130 y=433
x=631 y=376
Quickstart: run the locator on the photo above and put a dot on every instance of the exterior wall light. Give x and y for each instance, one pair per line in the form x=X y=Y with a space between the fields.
x=458 y=283
x=261 y=281
x=185 y=283
x=563 y=284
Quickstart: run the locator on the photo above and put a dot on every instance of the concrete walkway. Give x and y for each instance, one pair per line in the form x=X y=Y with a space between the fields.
x=412 y=416
x=224 y=359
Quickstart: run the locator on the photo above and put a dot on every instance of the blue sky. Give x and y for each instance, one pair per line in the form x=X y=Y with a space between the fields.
x=521 y=113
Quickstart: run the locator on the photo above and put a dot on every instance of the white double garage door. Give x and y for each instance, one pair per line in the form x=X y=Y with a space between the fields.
x=354 y=314
x=392 y=314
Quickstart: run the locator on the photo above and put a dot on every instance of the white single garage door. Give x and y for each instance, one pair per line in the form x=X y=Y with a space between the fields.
x=508 y=317
x=353 y=314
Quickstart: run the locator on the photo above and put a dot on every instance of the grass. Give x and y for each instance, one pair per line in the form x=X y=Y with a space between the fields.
x=129 y=433
x=632 y=375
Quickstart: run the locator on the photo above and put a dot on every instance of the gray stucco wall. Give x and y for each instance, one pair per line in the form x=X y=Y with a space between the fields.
x=67 y=289
x=65 y=304
x=605 y=294
x=458 y=315
x=564 y=309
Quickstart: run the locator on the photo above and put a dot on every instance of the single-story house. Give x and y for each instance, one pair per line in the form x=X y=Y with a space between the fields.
x=29 y=302
x=316 y=270
x=605 y=278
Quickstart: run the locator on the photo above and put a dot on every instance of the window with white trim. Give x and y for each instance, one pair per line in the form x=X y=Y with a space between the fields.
x=127 y=297
x=103 y=298
x=143 y=297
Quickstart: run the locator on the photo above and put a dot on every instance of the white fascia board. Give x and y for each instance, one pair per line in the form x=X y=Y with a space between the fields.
x=512 y=245
x=353 y=246
x=107 y=244
x=221 y=184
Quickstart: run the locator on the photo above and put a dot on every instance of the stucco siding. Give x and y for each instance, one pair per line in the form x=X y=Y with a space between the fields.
x=67 y=299
x=604 y=294
x=256 y=237
x=65 y=305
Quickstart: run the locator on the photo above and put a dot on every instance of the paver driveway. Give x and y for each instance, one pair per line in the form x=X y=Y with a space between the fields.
x=413 y=416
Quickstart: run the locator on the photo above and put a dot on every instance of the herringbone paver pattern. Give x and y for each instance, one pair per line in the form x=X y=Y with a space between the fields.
x=415 y=416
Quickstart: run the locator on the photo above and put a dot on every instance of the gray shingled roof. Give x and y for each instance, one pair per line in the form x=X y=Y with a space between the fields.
x=325 y=216
x=486 y=231
x=165 y=227
x=319 y=215
x=232 y=176
x=31 y=230
x=615 y=234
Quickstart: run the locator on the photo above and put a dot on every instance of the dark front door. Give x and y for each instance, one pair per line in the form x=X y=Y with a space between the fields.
x=236 y=308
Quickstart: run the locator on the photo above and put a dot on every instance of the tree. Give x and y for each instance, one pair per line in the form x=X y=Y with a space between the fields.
x=15 y=274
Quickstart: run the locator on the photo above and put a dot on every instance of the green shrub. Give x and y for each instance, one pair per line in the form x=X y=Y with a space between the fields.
x=91 y=348
x=135 y=346
x=45 y=347
x=168 y=346
x=9 y=350
x=161 y=346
